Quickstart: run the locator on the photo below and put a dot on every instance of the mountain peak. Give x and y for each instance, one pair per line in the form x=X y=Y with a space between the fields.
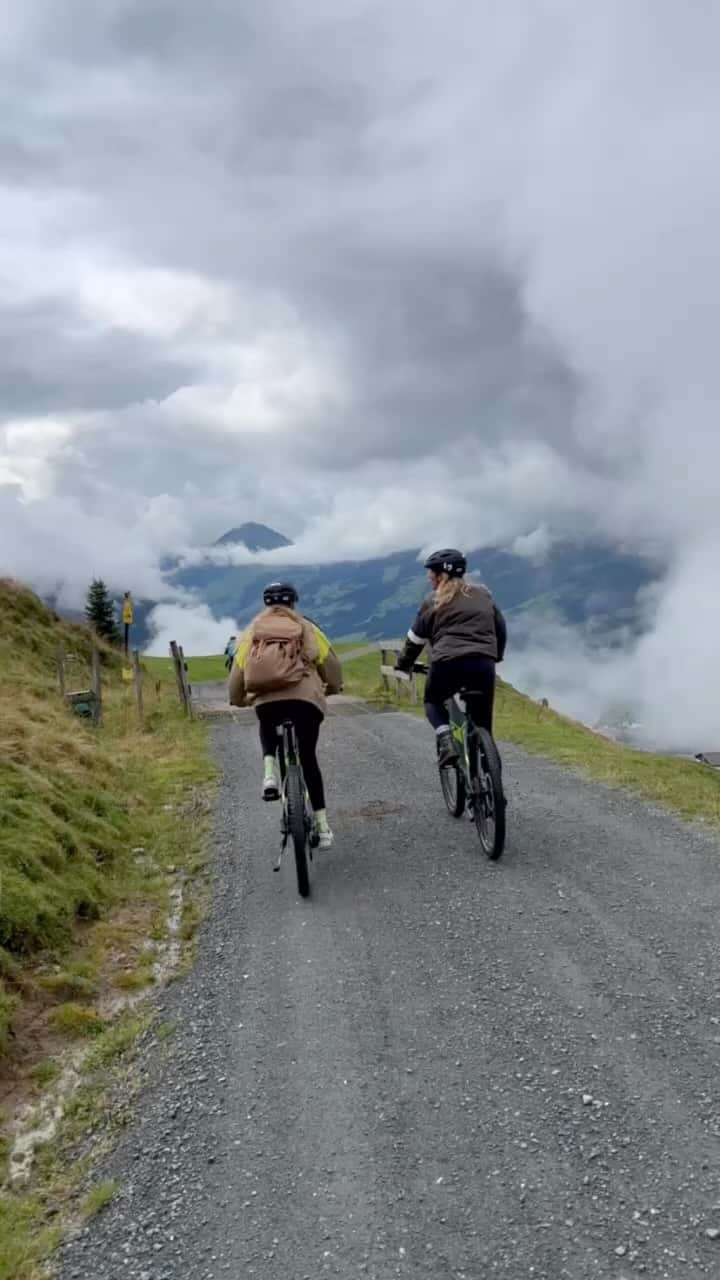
x=255 y=537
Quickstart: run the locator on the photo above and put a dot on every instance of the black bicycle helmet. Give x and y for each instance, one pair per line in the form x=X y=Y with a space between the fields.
x=280 y=593
x=448 y=561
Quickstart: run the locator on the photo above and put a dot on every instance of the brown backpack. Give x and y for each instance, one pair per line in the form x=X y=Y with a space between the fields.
x=275 y=658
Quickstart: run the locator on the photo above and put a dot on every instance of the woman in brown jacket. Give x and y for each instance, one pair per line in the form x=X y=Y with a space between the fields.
x=302 y=701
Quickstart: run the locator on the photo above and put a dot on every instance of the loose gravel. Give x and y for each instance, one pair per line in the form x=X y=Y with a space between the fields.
x=436 y=1066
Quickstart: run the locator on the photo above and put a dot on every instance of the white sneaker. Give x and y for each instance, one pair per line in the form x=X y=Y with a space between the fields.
x=326 y=839
x=271 y=791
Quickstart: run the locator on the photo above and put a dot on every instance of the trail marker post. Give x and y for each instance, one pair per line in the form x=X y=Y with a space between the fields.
x=127 y=617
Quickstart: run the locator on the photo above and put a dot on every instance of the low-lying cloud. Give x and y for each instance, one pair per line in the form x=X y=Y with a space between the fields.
x=662 y=682
x=194 y=627
x=461 y=292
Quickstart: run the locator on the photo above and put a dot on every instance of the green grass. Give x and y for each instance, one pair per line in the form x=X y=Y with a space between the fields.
x=97 y=1197
x=44 y=1072
x=135 y=979
x=203 y=668
x=75 y=801
x=76 y=1020
x=116 y=1041
x=68 y=986
x=25 y=1241
x=689 y=788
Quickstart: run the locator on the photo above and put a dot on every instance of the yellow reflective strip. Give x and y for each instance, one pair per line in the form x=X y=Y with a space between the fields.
x=241 y=652
x=323 y=643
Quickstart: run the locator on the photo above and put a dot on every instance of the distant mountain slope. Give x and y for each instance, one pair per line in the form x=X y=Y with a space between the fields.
x=592 y=585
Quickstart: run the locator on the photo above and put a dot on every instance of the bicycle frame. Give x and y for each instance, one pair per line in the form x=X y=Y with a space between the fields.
x=288 y=757
x=287 y=748
x=288 y=753
x=462 y=728
x=478 y=766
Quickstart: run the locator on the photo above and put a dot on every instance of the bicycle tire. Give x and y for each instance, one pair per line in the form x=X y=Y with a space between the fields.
x=488 y=753
x=452 y=782
x=297 y=828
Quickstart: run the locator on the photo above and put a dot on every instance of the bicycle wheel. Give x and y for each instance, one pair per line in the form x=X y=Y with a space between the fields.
x=488 y=797
x=297 y=827
x=453 y=789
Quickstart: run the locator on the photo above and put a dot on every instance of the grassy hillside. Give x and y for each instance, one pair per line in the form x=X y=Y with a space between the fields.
x=690 y=788
x=96 y=825
x=74 y=800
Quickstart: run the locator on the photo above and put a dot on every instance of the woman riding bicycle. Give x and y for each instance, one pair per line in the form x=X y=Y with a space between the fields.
x=283 y=666
x=466 y=634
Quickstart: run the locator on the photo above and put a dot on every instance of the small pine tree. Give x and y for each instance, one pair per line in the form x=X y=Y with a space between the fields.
x=100 y=611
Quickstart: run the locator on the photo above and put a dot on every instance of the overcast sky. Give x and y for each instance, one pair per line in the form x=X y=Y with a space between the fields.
x=375 y=274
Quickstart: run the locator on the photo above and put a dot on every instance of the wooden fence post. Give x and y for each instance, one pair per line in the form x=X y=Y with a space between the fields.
x=137 y=672
x=186 y=685
x=60 y=662
x=174 y=654
x=385 y=680
x=96 y=684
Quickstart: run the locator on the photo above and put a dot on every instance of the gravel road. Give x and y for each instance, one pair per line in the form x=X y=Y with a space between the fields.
x=437 y=1066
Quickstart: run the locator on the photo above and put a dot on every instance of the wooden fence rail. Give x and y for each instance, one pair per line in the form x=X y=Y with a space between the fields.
x=389 y=651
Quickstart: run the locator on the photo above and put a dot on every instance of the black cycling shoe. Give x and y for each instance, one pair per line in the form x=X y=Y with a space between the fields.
x=447 y=755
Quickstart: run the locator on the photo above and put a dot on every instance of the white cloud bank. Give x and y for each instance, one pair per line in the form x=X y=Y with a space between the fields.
x=458 y=293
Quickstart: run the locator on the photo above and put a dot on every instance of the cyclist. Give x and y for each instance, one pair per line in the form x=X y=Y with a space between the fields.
x=466 y=634
x=283 y=666
x=229 y=653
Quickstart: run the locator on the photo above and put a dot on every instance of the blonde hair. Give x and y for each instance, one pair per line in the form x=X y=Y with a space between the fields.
x=448 y=589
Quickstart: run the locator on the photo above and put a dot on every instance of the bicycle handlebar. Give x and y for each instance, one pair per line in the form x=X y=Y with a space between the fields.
x=420 y=668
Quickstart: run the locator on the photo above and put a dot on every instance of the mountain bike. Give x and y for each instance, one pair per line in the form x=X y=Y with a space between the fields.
x=296 y=823
x=473 y=783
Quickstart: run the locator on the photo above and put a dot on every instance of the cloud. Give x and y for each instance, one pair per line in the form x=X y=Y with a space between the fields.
x=663 y=680
x=194 y=627
x=379 y=277
x=60 y=548
x=534 y=546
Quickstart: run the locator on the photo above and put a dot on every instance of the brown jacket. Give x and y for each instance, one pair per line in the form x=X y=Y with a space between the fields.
x=323 y=674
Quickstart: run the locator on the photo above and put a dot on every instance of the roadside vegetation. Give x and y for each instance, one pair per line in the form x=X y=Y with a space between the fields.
x=98 y=827
x=691 y=789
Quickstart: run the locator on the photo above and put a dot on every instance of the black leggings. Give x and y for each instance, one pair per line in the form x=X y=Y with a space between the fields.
x=307 y=719
x=446 y=678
